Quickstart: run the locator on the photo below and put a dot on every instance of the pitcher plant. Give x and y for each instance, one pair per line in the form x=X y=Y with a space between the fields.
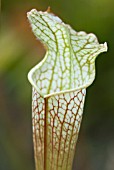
x=59 y=85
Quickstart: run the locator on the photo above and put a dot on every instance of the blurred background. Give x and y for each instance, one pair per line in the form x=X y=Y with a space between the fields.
x=20 y=51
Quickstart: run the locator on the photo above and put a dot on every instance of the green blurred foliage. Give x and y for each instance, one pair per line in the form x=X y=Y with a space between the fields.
x=20 y=51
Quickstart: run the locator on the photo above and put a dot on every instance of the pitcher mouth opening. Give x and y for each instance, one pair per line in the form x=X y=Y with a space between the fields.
x=32 y=81
x=69 y=63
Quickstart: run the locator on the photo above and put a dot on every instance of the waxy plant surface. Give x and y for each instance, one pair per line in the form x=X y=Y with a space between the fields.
x=59 y=87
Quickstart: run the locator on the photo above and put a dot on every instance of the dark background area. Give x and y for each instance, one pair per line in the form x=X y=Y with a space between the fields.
x=20 y=51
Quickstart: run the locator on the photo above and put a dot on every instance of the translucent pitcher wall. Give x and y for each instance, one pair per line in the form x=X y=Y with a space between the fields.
x=56 y=123
x=59 y=85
